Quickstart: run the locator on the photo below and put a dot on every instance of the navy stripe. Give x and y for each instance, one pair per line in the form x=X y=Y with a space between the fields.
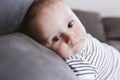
x=98 y=59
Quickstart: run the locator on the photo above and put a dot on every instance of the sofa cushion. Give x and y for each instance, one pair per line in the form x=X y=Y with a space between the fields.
x=12 y=13
x=112 y=27
x=92 y=23
x=22 y=58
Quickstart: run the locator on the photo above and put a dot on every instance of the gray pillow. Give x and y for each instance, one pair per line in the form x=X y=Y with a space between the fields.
x=22 y=58
x=92 y=23
x=12 y=13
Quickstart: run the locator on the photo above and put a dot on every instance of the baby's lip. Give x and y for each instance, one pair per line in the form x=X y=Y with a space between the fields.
x=76 y=45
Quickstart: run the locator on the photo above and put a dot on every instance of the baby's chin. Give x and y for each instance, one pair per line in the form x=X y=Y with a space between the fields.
x=78 y=49
x=72 y=53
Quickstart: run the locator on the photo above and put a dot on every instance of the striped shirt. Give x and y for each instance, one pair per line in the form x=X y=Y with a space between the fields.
x=96 y=61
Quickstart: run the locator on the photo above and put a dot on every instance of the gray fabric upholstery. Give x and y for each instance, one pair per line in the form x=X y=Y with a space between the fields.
x=115 y=43
x=112 y=27
x=92 y=23
x=106 y=29
x=22 y=58
x=12 y=13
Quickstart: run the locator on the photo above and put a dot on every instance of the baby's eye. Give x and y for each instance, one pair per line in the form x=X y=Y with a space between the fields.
x=70 y=24
x=56 y=38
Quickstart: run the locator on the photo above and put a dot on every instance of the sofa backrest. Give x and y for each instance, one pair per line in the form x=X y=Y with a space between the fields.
x=112 y=27
x=92 y=21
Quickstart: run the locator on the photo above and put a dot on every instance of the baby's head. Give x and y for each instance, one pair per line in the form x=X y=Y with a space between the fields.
x=53 y=23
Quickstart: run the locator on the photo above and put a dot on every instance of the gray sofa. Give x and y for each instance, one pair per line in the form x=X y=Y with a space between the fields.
x=106 y=29
x=23 y=58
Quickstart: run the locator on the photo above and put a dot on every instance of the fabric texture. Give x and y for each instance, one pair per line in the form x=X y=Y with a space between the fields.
x=112 y=27
x=115 y=43
x=22 y=58
x=92 y=22
x=96 y=59
x=12 y=13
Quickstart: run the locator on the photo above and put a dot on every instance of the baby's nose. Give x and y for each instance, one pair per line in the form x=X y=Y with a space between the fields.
x=71 y=39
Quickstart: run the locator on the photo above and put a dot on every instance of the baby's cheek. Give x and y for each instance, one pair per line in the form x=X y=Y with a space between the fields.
x=62 y=50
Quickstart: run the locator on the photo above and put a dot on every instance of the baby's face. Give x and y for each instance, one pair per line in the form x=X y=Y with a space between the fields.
x=60 y=29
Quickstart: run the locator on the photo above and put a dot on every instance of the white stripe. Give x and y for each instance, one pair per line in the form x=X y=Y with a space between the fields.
x=98 y=59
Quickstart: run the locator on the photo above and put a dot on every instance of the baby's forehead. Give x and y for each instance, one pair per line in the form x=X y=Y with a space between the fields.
x=51 y=12
x=54 y=17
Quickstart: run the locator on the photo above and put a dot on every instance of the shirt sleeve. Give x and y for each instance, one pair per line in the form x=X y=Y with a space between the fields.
x=81 y=68
x=103 y=57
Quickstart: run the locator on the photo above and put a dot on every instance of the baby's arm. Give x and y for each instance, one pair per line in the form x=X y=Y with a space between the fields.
x=82 y=69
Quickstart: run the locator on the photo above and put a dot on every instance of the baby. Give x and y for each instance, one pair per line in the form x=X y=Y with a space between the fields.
x=52 y=23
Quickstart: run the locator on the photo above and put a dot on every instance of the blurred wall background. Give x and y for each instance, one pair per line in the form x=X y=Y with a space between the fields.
x=104 y=7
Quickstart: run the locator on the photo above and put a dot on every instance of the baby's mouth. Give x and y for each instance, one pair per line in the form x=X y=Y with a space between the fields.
x=76 y=46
